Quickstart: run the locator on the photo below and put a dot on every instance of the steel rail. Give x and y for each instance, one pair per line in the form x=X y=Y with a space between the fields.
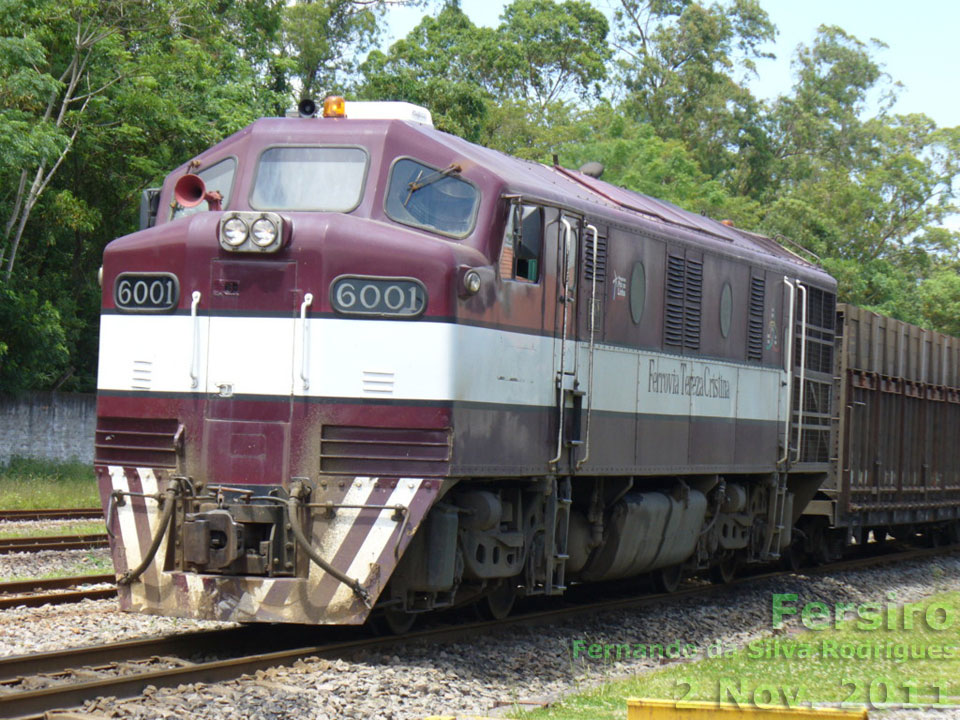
x=53 y=542
x=52 y=514
x=34 y=593
x=33 y=704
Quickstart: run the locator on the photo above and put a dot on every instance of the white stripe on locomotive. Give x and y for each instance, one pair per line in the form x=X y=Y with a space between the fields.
x=431 y=361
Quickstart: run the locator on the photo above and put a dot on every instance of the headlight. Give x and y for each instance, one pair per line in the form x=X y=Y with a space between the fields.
x=235 y=232
x=251 y=232
x=264 y=232
x=472 y=282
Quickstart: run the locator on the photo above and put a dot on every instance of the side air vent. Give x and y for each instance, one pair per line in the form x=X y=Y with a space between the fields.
x=758 y=288
x=404 y=452
x=137 y=442
x=673 y=313
x=595 y=266
x=693 y=300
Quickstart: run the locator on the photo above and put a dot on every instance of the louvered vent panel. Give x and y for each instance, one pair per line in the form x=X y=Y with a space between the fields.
x=693 y=301
x=137 y=442
x=673 y=326
x=595 y=266
x=404 y=452
x=755 y=321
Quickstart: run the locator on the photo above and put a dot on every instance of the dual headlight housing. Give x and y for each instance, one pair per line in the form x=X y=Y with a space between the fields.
x=251 y=232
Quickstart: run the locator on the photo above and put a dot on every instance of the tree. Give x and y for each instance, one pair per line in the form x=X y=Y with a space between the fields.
x=165 y=80
x=496 y=86
x=679 y=65
x=635 y=157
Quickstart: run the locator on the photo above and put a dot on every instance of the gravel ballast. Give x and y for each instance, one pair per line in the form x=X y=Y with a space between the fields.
x=483 y=676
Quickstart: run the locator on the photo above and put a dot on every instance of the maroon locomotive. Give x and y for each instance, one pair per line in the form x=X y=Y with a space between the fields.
x=352 y=362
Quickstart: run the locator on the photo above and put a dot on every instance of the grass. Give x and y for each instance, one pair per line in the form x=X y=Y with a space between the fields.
x=916 y=663
x=89 y=527
x=90 y=564
x=38 y=484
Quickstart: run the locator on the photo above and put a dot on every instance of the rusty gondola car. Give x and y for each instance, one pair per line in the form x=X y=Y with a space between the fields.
x=896 y=467
x=352 y=364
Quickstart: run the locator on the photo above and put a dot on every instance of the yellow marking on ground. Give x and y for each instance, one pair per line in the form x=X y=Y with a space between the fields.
x=674 y=710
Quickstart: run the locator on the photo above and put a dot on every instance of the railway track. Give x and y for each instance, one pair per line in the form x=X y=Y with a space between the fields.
x=58 y=542
x=34 y=593
x=31 y=685
x=52 y=514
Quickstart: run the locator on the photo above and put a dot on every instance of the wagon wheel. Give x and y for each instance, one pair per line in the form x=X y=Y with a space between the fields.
x=498 y=603
x=392 y=621
x=667 y=580
x=794 y=557
x=725 y=569
x=953 y=533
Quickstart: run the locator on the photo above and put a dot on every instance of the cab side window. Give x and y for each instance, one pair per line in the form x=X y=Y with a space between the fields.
x=522 y=244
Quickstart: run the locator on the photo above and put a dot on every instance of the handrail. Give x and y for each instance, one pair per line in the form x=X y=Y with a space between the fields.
x=305 y=344
x=803 y=365
x=195 y=355
x=593 y=313
x=788 y=357
x=563 y=335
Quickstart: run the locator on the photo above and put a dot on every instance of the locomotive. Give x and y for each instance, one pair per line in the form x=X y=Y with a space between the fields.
x=351 y=364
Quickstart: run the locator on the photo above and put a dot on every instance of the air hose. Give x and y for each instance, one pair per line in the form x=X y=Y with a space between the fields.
x=169 y=503
x=293 y=506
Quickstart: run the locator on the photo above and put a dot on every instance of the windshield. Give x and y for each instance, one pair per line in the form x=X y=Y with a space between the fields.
x=430 y=198
x=326 y=179
x=217 y=178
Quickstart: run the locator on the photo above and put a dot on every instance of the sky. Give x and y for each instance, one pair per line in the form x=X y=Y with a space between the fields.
x=923 y=52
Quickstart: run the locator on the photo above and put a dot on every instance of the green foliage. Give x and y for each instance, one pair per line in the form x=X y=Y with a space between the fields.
x=635 y=157
x=33 y=351
x=27 y=484
x=99 y=99
x=501 y=87
x=680 y=76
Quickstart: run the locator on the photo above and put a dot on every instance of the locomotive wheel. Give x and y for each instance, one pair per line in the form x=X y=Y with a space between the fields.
x=725 y=570
x=497 y=604
x=794 y=557
x=394 y=622
x=667 y=580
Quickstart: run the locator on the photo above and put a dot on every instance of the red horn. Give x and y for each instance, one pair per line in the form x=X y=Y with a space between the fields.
x=189 y=191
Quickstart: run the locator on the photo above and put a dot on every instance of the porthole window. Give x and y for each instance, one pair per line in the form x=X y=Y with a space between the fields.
x=726 y=309
x=638 y=291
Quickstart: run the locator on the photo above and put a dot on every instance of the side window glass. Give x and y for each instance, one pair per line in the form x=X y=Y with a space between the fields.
x=217 y=178
x=522 y=244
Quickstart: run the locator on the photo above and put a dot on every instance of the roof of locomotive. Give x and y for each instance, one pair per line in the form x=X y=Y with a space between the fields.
x=496 y=173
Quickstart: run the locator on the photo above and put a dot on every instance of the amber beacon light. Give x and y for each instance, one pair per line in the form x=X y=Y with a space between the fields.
x=334 y=106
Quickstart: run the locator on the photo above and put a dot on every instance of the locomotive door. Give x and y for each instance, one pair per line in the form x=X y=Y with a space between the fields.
x=249 y=373
x=566 y=358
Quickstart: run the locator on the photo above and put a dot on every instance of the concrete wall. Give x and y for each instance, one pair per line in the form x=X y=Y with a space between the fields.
x=49 y=426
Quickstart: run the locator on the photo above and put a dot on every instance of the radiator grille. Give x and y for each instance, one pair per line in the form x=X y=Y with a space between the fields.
x=137 y=442
x=758 y=288
x=355 y=450
x=673 y=320
x=595 y=266
x=693 y=299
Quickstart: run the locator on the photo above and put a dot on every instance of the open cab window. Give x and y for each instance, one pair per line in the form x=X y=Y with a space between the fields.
x=522 y=244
